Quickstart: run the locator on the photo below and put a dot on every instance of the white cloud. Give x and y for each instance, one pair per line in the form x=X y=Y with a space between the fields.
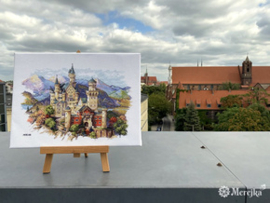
x=220 y=32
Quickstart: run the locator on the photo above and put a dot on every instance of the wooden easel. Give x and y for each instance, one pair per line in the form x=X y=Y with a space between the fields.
x=76 y=151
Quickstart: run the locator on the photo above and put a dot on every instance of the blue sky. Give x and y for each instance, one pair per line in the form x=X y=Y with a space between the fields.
x=164 y=32
x=124 y=22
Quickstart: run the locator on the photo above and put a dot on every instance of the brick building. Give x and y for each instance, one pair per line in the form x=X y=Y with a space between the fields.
x=210 y=78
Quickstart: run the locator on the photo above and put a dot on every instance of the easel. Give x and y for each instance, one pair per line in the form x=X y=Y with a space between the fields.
x=76 y=151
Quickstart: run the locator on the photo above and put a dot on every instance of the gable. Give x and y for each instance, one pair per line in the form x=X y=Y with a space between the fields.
x=70 y=89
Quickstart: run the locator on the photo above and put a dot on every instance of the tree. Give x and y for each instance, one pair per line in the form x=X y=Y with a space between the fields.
x=93 y=134
x=231 y=101
x=256 y=95
x=120 y=127
x=248 y=119
x=154 y=89
x=158 y=107
x=74 y=128
x=264 y=111
x=242 y=119
x=229 y=86
x=192 y=119
x=180 y=119
x=224 y=117
x=37 y=108
x=50 y=123
x=49 y=110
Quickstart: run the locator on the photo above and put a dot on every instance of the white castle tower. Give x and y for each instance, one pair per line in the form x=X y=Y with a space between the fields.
x=92 y=94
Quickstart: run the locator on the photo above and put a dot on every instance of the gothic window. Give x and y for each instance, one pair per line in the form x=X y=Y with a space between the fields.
x=248 y=69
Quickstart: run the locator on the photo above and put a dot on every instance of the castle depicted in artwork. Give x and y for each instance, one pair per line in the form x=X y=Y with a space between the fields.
x=66 y=101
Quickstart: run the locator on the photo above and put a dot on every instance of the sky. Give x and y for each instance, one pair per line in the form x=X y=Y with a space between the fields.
x=171 y=32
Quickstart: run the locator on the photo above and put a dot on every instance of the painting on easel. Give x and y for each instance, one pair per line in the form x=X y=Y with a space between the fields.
x=76 y=99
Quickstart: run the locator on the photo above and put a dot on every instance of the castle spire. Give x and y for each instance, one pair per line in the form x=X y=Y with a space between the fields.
x=72 y=69
x=56 y=80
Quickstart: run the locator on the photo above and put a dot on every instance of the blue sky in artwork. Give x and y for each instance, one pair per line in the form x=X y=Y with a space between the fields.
x=124 y=22
x=110 y=77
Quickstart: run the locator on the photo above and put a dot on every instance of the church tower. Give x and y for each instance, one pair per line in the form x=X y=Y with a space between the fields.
x=71 y=75
x=92 y=94
x=170 y=75
x=146 y=77
x=246 y=72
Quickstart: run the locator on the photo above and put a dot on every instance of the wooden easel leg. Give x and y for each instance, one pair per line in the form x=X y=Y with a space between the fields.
x=77 y=155
x=86 y=155
x=105 y=162
x=47 y=163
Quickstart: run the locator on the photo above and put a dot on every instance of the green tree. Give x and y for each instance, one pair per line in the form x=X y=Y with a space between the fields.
x=192 y=119
x=74 y=128
x=158 y=107
x=229 y=86
x=160 y=89
x=231 y=101
x=259 y=107
x=49 y=110
x=93 y=135
x=256 y=95
x=120 y=127
x=180 y=119
x=37 y=108
x=243 y=119
x=224 y=117
x=205 y=121
x=248 y=119
x=50 y=123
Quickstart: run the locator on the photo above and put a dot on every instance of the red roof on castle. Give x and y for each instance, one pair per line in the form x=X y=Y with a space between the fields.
x=218 y=74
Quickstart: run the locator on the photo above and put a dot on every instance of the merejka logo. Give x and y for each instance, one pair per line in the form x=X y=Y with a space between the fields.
x=224 y=191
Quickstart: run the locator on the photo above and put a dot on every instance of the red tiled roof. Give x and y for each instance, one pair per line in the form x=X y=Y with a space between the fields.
x=205 y=74
x=218 y=74
x=206 y=97
x=260 y=74
x=163 y=82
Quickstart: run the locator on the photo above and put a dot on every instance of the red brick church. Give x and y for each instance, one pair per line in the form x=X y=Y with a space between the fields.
x=203 y=83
